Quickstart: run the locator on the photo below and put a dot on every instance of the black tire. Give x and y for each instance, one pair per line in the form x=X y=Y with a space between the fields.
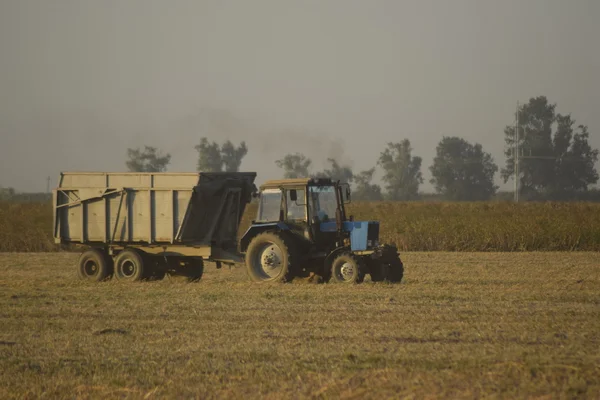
x=159 y=275
x=195 y=269
x=395 y=271
x=155 y=265
x=377 y=270
x=95 y=266
x=347 y=268
x=271 y=257
x=130 y=266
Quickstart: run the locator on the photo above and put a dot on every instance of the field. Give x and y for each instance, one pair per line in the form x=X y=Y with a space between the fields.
x=412 y=226
x=461 y=325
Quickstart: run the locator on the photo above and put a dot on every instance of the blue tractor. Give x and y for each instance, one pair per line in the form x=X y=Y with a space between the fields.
x=301 y=230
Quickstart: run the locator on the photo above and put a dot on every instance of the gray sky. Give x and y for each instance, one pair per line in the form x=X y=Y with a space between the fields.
x=81 y=81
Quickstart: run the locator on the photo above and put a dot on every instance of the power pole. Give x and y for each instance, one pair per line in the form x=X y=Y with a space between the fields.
x=48 y=185
x=516 y=155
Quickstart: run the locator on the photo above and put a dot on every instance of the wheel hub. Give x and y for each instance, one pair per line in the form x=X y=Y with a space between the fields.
x=128 y=268
x=90 y=268
x=347 y=271
x=271 y=260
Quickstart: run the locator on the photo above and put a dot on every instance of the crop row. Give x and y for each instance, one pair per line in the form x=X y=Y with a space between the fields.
x=412 y=226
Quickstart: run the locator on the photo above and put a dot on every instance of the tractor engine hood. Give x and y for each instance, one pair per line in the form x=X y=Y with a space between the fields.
x=363 y=234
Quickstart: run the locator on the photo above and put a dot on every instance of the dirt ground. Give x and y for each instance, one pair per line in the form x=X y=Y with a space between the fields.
x=461 y=325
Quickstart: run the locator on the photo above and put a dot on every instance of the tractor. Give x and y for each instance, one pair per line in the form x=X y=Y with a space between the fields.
x=301 y=230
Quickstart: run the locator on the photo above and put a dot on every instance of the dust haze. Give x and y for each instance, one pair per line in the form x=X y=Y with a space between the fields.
x=80 y=82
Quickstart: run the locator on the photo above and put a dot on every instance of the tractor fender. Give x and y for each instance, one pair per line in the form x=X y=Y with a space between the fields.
x=255 y=229
x=333 y=254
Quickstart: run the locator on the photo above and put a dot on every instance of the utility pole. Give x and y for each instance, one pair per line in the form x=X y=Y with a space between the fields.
x=516 y=155
x=48 y=185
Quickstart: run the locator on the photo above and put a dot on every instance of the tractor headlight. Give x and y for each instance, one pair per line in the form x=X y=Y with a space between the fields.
x=369 y=243
x=376 y=243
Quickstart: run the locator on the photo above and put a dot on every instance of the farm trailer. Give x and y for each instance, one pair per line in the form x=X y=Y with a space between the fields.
x=138 y=226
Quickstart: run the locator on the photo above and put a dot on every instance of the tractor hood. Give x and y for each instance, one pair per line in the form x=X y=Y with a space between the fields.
x=363 y=234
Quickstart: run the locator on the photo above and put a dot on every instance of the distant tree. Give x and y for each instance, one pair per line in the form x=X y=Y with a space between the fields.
x=209 y=156
x=364 y=190
x=549 y=163
x=148 y=160
x=463 y=171
x=336 y=172
x=232 y=156
x=402 y=172
x=7 y=193
x=294 y=166
x=575 y=158
x=215 y=158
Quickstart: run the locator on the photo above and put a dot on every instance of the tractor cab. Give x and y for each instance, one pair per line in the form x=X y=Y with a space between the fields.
x=312 y=209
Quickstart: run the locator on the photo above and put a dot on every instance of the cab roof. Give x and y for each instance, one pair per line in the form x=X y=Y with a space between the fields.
x=276 y=183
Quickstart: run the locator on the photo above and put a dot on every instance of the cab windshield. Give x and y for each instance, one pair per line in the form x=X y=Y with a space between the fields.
x=323 y=202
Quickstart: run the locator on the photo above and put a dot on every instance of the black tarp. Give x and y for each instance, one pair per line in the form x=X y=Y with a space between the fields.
x=216 y=208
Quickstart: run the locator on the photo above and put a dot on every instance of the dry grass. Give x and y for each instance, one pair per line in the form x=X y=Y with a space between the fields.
x=26 y=227
x=509 y=325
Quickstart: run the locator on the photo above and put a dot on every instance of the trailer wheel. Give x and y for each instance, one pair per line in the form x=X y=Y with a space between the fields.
x=155 y=267
x=95 y=266
x=347 y=268
x=130 y=266
x=195 y=269
x=270 y=258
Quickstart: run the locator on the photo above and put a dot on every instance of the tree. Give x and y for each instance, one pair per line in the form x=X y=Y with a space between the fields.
x=549 y=163
x=575 y=169
x=337 y=172
x=209 y=156
x=215 y=158
x=463 y=171
x=232 y=156
x=6 y=193
x=402 y=172
x=365 y=190
x=294 y=166
x=149 y=160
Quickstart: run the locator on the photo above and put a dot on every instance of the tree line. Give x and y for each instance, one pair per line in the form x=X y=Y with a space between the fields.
x=555 y=162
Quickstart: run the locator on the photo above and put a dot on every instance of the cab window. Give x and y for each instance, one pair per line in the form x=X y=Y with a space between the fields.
x=270 y=205
x=296 y=210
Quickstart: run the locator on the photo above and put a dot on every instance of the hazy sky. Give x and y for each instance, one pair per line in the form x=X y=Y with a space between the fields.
x=81 y=81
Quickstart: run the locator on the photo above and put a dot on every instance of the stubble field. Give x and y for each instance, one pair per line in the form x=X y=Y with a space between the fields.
x=500 y=325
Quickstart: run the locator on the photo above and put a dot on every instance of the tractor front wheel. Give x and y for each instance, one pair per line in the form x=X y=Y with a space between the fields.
x=347 y=268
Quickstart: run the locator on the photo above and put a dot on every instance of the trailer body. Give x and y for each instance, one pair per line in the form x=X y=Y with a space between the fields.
x=167 y=214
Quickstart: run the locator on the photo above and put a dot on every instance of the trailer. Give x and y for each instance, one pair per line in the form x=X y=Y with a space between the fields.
x=137 y=226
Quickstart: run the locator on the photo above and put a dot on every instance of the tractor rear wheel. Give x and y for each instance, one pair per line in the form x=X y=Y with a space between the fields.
x=95 y=266
x=271 y=257
x=347 y=268
x=131 y=266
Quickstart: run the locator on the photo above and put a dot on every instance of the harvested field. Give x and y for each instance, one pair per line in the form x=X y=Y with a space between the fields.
x=461 y=325
x=412 y=226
